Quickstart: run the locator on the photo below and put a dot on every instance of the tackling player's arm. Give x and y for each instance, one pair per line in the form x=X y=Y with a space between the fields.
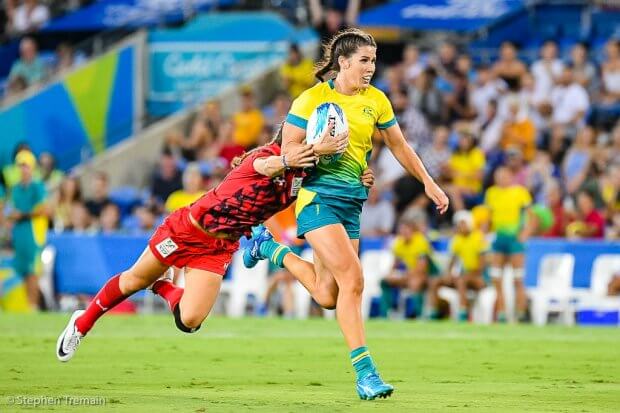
x=300 y=156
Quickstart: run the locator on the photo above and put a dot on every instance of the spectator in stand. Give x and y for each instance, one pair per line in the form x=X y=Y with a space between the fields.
x=426 y=97
x=611 y=73
x=147 y=218
x=415 y=126
x=577 y=161
x=110 y=220
x=584 y=70
x=411 y=67
x=15 y=87
x=555 y=202
x=509 y=68
x=29 y=66
x=445 y=61
x=225 y=149
x=100 y=197
x=590 y=222
x=66 y=58
x=203 y=133
x=547 y=69
x=486 y=89
x=65 y=197
x=518 y=131
x=192 y=189
x=248 y=122
x=570 y=102
x=464 y=66
x=613 y=231
x=466 y=169
x=457 y=102
x=328 y=19
x=377 y=218
x=51 y=176
x=467 y=267
x=81 y=221
x=28 y=17
x=414 y=265
x=166 y=179
x=607 y=111
x=609 y=190
x=297 y=72
x=437 y=156
x=517 y=166
x=276 y=113
x=542 y=174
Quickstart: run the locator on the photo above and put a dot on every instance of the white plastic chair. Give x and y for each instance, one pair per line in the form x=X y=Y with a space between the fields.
x=376 y=265
x=554 y=290
x=604 y=267
x=245 y=281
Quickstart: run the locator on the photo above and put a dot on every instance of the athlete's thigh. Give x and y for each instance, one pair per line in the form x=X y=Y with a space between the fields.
x=201 y=290
x=148 y=267
x=331 y=245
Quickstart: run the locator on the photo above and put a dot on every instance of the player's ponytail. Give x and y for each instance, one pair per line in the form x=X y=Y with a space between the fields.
x=344 y=43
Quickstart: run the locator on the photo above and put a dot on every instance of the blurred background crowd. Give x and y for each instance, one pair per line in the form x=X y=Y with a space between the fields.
x=545 y=118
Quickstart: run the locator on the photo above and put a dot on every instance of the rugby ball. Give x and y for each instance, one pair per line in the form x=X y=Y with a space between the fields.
x=318 y=122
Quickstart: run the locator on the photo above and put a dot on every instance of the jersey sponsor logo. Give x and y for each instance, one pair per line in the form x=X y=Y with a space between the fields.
x=166 y=247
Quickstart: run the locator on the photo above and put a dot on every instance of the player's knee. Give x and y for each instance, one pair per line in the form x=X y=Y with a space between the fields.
x=326 y=300
x=187 y=322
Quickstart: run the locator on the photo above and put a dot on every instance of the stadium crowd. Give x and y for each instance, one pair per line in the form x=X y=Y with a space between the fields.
x=546 y=129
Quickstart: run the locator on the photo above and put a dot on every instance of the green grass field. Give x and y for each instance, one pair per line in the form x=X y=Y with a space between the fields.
x=144 y=364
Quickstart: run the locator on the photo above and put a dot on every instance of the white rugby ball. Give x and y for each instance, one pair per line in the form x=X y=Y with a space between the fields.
x=318 y=122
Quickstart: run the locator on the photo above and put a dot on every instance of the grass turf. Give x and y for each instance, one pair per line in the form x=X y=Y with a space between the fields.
x=144 y=364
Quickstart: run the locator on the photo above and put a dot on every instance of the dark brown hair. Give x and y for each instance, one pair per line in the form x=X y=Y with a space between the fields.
x=344 y=43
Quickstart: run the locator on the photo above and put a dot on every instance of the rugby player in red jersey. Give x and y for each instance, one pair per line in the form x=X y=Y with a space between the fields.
x=203 y=237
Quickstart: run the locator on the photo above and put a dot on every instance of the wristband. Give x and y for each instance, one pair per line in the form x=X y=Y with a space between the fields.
x=284 y=162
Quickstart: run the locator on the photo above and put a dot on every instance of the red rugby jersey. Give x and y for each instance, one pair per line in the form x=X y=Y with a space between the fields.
x=246 y=198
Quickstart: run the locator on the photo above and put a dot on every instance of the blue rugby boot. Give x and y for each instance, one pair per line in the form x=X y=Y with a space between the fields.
x=252 y=255
x=372 y=386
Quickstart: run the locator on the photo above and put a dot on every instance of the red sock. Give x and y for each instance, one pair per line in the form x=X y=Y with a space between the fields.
x=169 y=292
x=109 y=296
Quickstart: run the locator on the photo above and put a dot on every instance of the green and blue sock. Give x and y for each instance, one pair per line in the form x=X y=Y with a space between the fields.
x=274 y=251
x=362 y=362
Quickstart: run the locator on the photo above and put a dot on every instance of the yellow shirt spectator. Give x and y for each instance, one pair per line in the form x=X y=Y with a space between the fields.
x=299 y=77
x=506 y=205
x=467 y=168
x=410 y=250
x=179 y=199
x=248 y=127
x=468 y=249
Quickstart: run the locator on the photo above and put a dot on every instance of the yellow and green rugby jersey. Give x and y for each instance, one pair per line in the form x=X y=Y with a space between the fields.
x=364 y=111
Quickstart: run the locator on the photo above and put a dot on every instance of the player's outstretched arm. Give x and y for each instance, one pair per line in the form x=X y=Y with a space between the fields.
x=394 y=139
x=298 y=156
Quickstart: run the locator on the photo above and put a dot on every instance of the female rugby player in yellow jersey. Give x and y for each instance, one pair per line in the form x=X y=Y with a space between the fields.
x=330 y=200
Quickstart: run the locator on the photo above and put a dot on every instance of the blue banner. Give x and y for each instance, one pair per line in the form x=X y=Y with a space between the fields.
x=456 y=15
x=213 y=53
x=89 y=110
x=109 y=14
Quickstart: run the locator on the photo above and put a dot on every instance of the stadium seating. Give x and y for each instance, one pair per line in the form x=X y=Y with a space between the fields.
x=376 y=264
x=243 y=283
x=554 y=290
